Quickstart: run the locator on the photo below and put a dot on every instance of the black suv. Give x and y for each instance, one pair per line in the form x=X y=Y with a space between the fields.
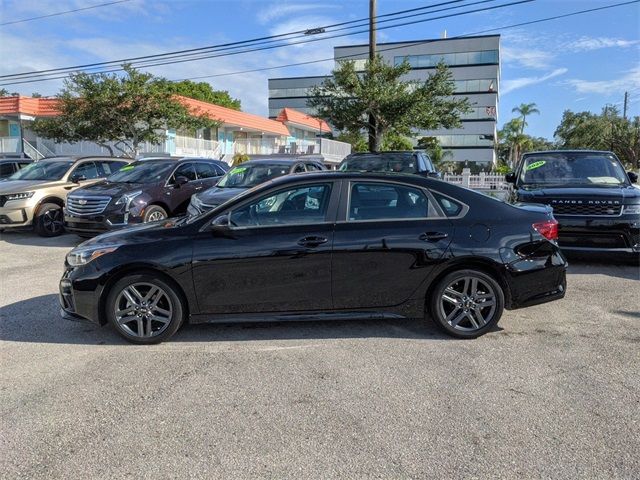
x=592 y=198
x=248 y=175
x=415 y=162
x=144 y=191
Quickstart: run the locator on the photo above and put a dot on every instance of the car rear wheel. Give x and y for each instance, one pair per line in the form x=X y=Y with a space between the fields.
x=144 y=309
x=48 y=220
x=154 y=214
x=466 y=303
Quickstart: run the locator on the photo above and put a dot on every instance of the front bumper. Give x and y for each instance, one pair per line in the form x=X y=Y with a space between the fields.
x=79 y=297
x=96 y=224
x=16 y=216
x=592 y=235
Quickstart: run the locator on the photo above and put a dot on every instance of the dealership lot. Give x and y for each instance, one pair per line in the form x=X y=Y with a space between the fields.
x=554 y=392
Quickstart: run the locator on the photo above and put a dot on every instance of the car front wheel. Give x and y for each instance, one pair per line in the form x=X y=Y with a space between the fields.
x=144 y=309
x=48 y=220
x=466 y=303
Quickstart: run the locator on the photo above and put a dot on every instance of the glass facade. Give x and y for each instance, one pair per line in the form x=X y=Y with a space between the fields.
x=463 y=141
x=450 y=59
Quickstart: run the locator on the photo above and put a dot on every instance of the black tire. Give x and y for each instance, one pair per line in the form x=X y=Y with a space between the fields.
x=117 y=300
x=458 y=312
x=154 y=213
x=49 y=220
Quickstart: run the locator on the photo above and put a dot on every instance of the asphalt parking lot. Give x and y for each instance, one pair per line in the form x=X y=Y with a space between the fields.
x=554 y=392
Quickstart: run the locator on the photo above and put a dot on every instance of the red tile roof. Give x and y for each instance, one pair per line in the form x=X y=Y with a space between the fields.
x=234 y=117
x=39 y=107
x=294 y=116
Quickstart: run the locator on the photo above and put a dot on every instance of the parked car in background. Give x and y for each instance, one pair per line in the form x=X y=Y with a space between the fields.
x=592 y=196
x=9 y=166
x=144 y=191
x=36 y=194
x=248 y=175
x=333 y=245
x=414 y=161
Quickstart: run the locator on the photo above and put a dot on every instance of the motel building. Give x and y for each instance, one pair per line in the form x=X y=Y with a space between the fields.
x=291 y=133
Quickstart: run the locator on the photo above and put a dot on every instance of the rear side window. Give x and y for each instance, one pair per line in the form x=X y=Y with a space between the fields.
x=299 y=168
x=450 y=207
x=312 y=167
x=88 y=170
x=205 y=170
x=376 y=201
x=109 y=167
x=6 y=169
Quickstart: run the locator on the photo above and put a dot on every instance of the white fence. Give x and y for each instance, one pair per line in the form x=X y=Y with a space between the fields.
x=482 y=181
x=9 y=144
x=188 y=147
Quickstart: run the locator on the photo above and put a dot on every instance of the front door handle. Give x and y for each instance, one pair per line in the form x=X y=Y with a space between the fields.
x=433 y=236
x=312 y=241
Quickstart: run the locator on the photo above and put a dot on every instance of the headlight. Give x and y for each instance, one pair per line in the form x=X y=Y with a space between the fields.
x=83 y=255
x=631 y=210
x=19 y=196
x=128 y=197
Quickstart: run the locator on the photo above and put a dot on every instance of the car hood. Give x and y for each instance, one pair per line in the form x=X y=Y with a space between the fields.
x=545 y=194
x=18 y=186
x=136 y=233
x=217 y=195
x=112 y=189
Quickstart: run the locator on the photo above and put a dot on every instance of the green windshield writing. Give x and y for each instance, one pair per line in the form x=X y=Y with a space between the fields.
x=535 y=165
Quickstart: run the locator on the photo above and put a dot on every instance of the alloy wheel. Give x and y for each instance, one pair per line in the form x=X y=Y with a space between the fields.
x=468 y=303
x=155 y=216
x=52 y=220
x=143 y=310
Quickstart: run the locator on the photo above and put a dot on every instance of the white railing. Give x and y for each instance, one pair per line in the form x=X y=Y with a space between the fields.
x=9 y=144
x=482 y=181
x=31 y=151
x=331 y=150
x=334 y=150
x=257 y=146
x=186 y=146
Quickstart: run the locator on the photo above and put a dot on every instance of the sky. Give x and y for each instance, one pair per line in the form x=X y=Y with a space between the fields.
x=579 y=63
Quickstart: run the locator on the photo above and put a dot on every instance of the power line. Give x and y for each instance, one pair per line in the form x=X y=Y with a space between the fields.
x=219 y=46
x=411 y=44
x=63 y=13
x=287 y=44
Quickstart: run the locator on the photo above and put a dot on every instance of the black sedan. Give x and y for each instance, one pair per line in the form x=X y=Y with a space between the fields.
x=333 y=245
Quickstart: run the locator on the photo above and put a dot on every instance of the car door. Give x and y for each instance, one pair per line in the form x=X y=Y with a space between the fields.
x=389 y=238
x=85 y=173
x=178 y=196
x=208 y=175
x=276 y=256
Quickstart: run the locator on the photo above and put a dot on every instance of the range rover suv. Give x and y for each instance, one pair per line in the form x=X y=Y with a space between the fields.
x=35 y=195
x=592 y=197
x=145 y=191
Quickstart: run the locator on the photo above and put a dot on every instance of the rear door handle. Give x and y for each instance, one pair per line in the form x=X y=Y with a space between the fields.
x=433 y=236
x=312 y=241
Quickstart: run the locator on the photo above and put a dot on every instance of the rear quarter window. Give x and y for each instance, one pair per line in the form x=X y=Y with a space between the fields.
x=451 y=207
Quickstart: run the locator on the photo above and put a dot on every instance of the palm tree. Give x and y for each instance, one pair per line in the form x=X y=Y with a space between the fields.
x=524 y=110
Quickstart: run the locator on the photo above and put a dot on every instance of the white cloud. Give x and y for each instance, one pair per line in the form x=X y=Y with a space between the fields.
x=527 y=57
x=595 y=43
x=614 y=86
x=517 y=83
x=273 y=12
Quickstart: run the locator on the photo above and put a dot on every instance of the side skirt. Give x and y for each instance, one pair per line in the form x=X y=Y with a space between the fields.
x=292 y=317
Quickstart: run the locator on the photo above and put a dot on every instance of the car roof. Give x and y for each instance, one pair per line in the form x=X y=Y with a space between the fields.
x=543 y=152
x=358 y=154
x=89 y=157
x=279 y=161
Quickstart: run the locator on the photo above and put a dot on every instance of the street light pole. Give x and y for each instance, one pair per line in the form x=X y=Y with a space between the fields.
x=372 y=56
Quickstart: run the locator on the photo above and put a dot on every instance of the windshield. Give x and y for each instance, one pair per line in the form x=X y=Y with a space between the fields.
x=573 y=169
x=247 y=176
x=146 y=171
x=385 y=162
x=49 y=170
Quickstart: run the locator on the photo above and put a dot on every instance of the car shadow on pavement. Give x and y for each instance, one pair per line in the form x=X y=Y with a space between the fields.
x=31 y=239
x=37 y=320
x=611 y=269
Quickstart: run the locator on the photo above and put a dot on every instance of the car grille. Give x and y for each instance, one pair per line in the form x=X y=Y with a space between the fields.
x=3 y=200
x=87 y=205
x=577 y=209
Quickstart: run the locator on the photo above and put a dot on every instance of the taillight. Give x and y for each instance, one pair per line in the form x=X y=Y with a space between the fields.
x=548 y=229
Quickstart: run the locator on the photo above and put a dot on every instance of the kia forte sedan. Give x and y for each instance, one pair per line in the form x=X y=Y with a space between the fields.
x=333 y=245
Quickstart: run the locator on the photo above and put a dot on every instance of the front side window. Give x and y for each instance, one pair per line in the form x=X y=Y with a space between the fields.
x=186 y=170
x=377 y=201
x=300 y=205
x=572 y=168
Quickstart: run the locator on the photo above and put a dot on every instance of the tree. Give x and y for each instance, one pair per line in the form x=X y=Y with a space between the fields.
x=357 y=141
x=348 y=98
x=607 y=131
x=395 y=141
x=36 y=95
x=202 y=91
x=4 y=92
x=525 y=109
x=125 y=110
x=435 y=151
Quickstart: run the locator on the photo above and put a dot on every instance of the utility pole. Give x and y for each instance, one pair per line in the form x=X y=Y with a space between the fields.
x=626 y=101
x=373 y=144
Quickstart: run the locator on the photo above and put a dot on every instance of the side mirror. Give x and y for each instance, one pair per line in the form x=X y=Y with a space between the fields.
x=633 y=177
x=220 y=226
x=180 y=180
x=77 y=178
x=510 y=177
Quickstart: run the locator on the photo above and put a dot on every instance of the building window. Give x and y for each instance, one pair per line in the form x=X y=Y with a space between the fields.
x=459 y=58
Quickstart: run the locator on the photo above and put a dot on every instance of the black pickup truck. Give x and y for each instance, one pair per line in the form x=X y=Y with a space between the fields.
x=593 y=199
